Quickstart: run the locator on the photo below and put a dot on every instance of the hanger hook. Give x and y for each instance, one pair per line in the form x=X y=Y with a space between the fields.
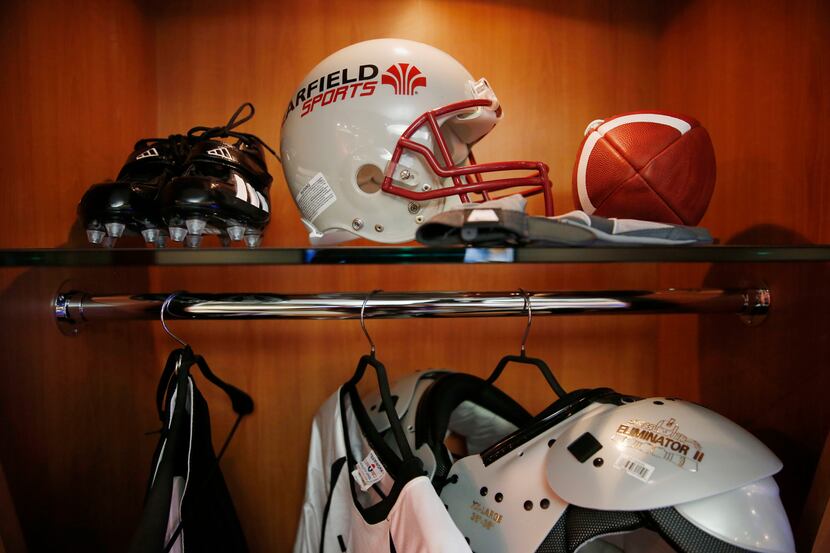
x=529 y=309
x=363 y=320
x=164 y=307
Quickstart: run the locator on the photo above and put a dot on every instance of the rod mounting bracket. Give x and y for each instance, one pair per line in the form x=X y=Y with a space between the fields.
x=68 y=307
x=756 y=305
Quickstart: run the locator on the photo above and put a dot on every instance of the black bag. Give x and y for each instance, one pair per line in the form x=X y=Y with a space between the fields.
x=188 y=507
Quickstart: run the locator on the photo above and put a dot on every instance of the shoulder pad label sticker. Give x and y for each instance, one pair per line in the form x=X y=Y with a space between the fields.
x=632 y=467
x=663 y=440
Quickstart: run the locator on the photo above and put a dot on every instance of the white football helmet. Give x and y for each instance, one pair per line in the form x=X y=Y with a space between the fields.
x=377 y=139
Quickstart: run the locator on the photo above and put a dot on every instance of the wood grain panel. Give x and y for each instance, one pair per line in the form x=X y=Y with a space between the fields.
x=75 y=413
x=822 y=543
x=816 y=519
x=11 y=535
x=79 y=90
x=755 y=74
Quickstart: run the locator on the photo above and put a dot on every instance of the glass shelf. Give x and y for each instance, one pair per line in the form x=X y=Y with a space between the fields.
x=407 y=255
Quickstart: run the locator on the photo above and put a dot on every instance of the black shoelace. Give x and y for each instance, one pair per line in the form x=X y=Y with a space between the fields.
x=206 y=133
x=181 y=143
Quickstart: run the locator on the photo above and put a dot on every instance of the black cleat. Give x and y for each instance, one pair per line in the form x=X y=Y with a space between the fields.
x=224 y=188
x=110 y=209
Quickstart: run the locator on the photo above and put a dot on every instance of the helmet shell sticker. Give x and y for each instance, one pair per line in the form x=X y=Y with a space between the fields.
x=315 y=197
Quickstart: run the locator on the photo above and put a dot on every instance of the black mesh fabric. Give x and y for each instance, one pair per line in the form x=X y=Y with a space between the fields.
x=555 y=541
x=687 y=537
x=586 y=524
x=577 y=526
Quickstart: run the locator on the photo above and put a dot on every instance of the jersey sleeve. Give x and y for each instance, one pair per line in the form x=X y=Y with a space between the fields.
x=322 y=453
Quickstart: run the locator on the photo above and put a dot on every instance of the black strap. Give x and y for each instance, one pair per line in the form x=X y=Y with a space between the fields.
x=336 y=467
x=442 y=398
x=181 y=358
x=205 y=133
x=385 y=400
x=560 y=410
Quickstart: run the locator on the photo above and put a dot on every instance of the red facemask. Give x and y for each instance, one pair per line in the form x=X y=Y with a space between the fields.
x=467 y=179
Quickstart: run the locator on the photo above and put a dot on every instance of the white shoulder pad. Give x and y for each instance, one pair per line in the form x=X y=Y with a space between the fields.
x=654 y=453
x=487 y=503
x=507 y=505
x=402 y=389
x=751 y=517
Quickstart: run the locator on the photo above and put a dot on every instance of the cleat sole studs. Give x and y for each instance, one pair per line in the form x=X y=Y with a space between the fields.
x=195 y=226
x=253 y=240
x=151 y=235
x=115 y=230
x=95 y=236
x=177 y=234
x=236 y=232
x=193 y=240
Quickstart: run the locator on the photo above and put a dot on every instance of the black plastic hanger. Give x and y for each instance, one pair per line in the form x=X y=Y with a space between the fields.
x=240 y=401
x=386 y=401
x=524 y=359
x=184 y=358
x=178 y=363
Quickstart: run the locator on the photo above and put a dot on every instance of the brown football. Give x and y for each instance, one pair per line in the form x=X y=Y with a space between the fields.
x=647 y=165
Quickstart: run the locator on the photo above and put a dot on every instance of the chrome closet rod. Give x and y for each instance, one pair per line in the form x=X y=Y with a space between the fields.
x=76 y=307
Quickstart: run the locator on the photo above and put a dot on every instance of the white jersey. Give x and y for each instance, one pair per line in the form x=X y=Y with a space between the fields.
x=401 y=516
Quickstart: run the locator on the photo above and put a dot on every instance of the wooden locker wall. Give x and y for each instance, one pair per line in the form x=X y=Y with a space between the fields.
x=106 y=74
x=756 y=76
x=78 y=90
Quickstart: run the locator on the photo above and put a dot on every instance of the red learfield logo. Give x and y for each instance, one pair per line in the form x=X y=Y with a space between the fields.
x=403 y=78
